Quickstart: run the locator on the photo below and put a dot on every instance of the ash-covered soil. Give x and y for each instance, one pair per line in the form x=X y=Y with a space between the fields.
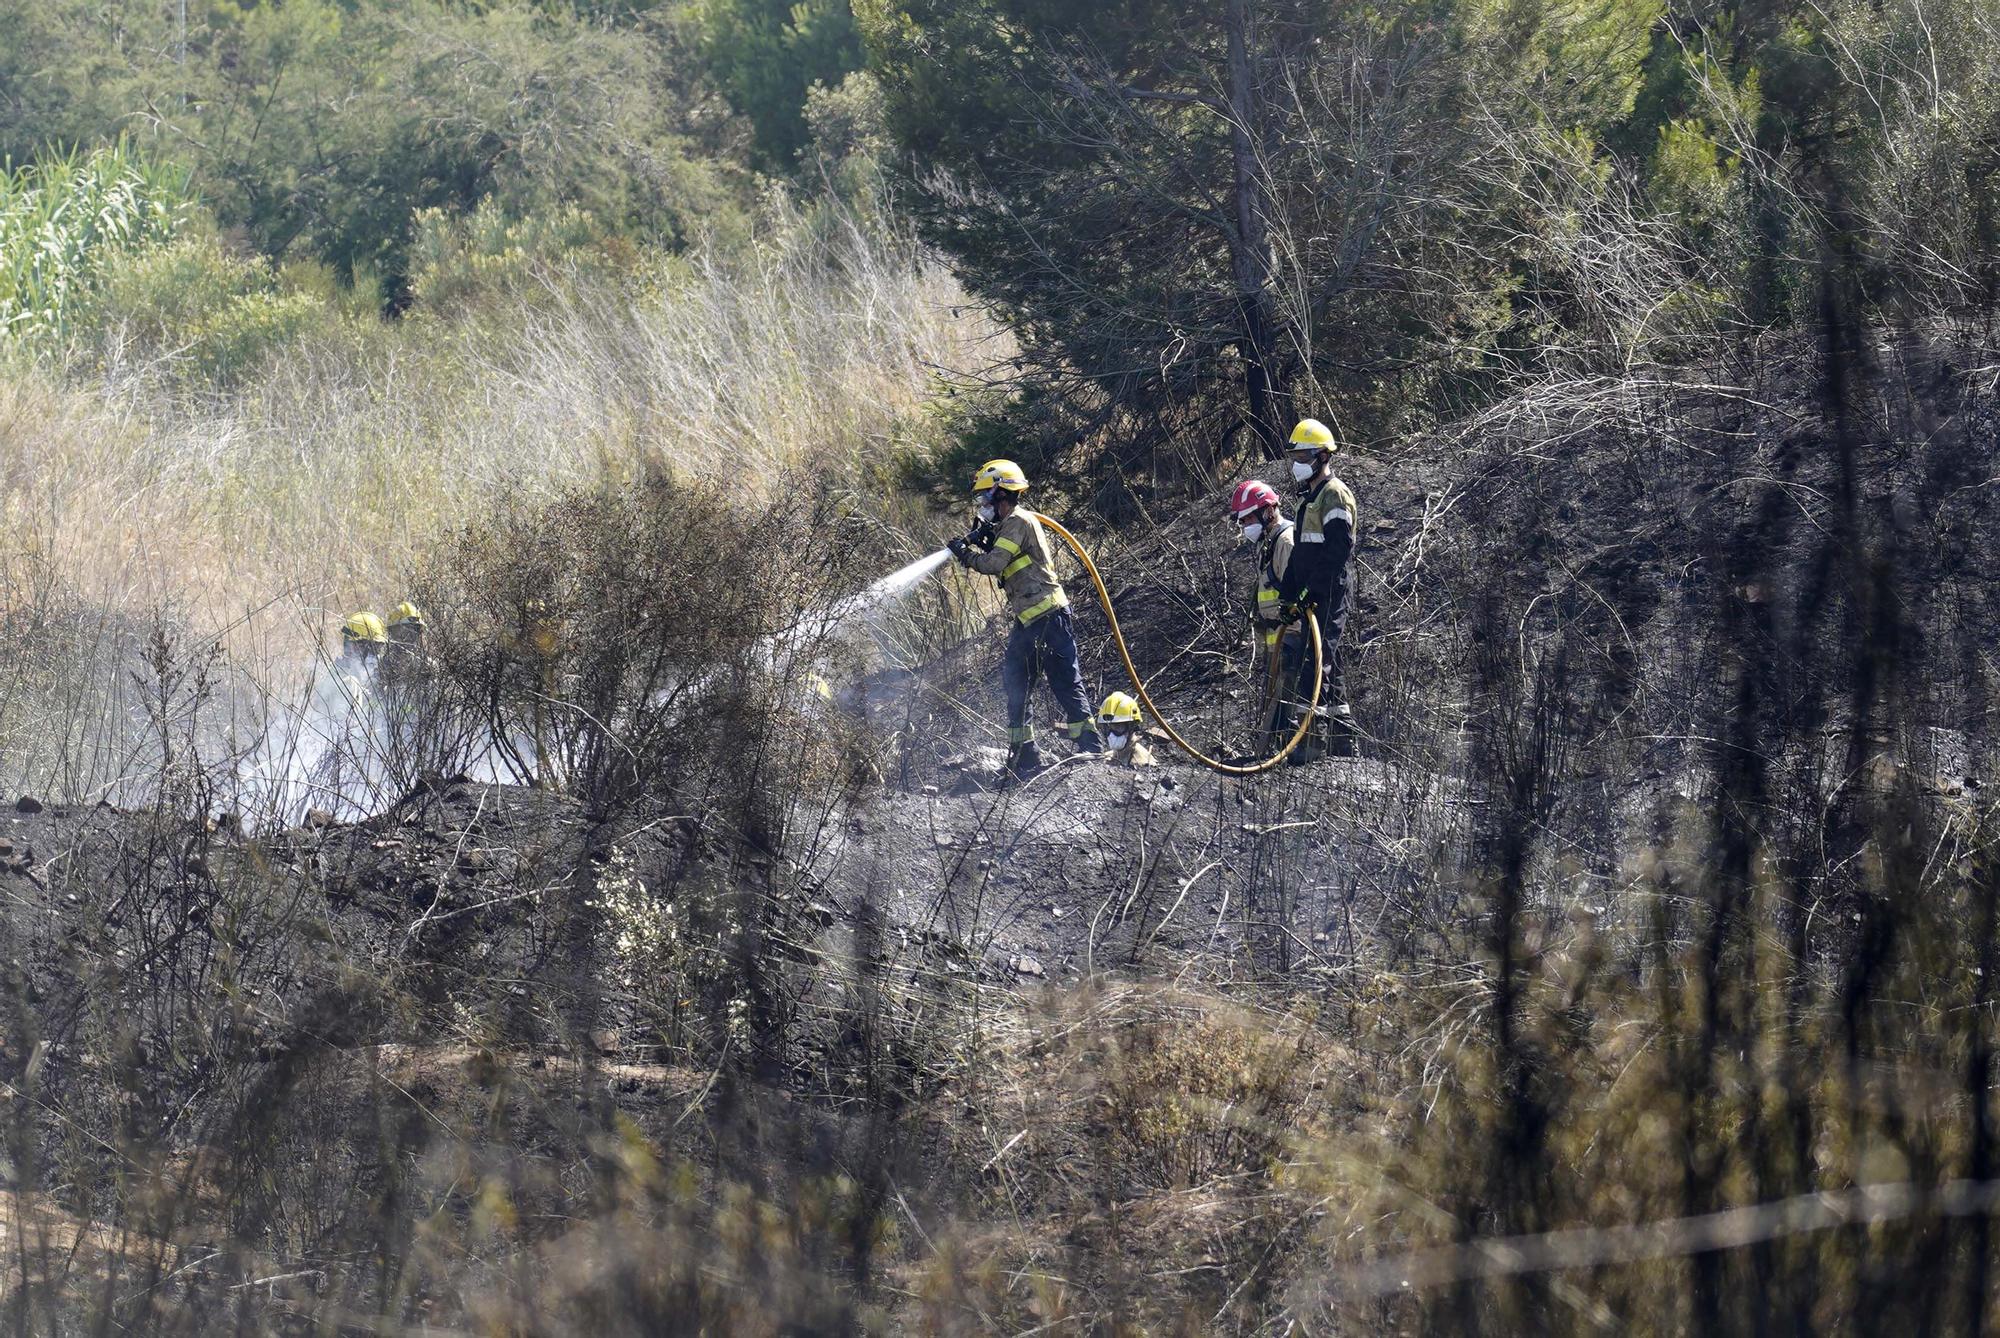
x=460 y=892
x=491 y=894
x=1626 y=550
x=1570 y=619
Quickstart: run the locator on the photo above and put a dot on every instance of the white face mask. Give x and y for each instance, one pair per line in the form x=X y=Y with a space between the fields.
x=1253 y=531
x=986 y=512
x=1115 y=740
x=1302 y=470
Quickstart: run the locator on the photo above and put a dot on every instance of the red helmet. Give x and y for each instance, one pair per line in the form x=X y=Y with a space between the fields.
x=1251 y=496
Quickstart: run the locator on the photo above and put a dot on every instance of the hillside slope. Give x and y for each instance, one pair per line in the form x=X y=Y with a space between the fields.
x=1606 y=625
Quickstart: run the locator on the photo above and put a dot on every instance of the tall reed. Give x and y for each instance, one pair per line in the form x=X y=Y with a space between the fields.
x=63 y=216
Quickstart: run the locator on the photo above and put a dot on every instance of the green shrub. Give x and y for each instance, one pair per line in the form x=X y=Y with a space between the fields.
x=850 y=136
x=63 y=218
x=158 y=294
x=458 y=261
x=1690 y=177
x=769 y=55
x=211 y=314
x=240 y=336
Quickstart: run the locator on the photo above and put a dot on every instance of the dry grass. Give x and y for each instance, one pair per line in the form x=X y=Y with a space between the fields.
x=326 y=473
x=259 y=514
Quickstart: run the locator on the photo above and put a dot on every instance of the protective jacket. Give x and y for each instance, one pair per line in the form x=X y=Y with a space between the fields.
x=353 y=679
x=1020 y=559
x=1321 y=565
x=1274 y=559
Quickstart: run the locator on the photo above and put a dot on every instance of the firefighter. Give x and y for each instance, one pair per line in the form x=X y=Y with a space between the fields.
x=1119 y=720
x=343 y=705
x=403 y=657
x=362 y=640
x=1254 y=506
x=1010 y=545
x=1320 y=577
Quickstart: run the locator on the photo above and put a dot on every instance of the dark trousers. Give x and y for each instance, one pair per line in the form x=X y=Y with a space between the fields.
x=1298 y=660
x=1047 y=645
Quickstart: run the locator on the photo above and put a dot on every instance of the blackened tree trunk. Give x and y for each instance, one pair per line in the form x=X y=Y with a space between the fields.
x=1250 y=250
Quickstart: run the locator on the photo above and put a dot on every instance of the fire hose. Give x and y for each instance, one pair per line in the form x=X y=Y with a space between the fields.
x=1139 y=686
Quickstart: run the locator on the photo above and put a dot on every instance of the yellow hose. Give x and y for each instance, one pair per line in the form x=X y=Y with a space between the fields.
x=1131 y=670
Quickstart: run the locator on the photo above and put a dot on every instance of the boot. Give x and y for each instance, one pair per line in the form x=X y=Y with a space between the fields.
x=1278 y=727
x=1314 y=745
x=1340 y=732
x=1025 y=761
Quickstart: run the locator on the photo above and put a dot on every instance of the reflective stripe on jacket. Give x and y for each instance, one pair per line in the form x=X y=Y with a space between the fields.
x=1020 y=562
x=1274 y=560
x=1327 y=508
x=1323 y=547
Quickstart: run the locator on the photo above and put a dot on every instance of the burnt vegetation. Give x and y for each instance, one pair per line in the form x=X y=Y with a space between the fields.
x=1665 y=889
x=654 y=950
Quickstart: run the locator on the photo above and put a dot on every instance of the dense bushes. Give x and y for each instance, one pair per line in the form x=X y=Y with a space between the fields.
x=1201 y=231
x=769 y=56
x=457 y=261
x=322 y=128
x=654 y=640
x=202 y=316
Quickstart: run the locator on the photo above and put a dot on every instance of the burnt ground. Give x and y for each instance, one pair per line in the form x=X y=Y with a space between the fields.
x=1616 y=549
x=484 y=899
x=1571 y=615
x=487 y=892
x=1604 y=573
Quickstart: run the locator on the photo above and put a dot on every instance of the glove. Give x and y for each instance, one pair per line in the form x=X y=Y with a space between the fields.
x=961 y=550
x=982 y=536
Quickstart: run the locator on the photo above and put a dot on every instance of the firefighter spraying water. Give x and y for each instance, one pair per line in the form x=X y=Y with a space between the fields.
x=1009 y=543
x=327 y=754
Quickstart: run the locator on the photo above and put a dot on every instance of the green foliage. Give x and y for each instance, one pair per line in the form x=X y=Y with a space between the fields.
x=238 y=337
x=62 y=219
x=325 y=126
x=1166 y=238
x=456 y=261
x=850 y=136
x=1862 y=130
x=1581 y=64
x=1411 y=209
x=769 y=55
x=158 y=294
x=1690 y=175
x=209 y=314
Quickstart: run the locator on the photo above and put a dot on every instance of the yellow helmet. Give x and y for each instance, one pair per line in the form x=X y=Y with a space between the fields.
x=1118 y=709
x=1313 y=434
x=363 y=627
x=1000 y=474
x=406 y=612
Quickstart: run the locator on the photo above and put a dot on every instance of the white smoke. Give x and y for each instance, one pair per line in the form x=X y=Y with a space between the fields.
x=330 y=742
